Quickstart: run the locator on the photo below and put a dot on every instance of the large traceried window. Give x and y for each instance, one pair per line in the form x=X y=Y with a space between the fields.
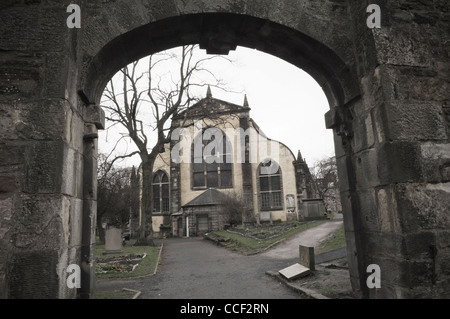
x=212 y=160
x=160 y=187
x=270 y=189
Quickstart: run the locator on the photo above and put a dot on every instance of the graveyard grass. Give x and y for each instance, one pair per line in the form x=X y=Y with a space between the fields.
x=147 y=265
x=334 y=242
x=249 y=246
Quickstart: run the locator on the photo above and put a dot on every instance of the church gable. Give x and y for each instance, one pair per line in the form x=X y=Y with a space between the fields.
x=210 y=107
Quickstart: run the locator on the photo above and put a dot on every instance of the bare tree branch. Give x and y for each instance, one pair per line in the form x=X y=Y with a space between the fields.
x=146 y=103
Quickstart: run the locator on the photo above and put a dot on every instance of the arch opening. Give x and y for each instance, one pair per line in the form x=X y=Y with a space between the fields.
x=219 y=33
x=302 y=51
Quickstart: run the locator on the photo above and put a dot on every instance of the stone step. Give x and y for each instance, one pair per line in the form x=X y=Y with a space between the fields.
x=294 y=271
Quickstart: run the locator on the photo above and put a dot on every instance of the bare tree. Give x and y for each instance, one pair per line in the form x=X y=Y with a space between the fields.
x=145 y=104
x=114 y=192
x=325 y=178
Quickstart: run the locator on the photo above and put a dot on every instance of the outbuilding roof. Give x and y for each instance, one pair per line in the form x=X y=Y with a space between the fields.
x=210 y=197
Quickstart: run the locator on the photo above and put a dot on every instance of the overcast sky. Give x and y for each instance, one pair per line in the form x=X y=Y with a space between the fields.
x=286 y=103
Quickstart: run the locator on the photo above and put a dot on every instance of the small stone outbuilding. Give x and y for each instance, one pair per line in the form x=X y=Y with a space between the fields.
x=203 y=214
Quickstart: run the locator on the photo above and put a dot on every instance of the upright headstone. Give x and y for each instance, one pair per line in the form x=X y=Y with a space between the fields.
x=313 y=209
x=113 y=241
x=265 y=217
x=307 y=257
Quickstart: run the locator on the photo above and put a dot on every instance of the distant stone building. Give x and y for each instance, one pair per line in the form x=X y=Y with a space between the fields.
x=219 y=155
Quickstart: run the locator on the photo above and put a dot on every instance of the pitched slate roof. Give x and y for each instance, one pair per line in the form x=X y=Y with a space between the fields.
x=210 y=197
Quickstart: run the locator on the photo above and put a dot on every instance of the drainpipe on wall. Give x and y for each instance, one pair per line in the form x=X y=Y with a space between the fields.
x=187 y=226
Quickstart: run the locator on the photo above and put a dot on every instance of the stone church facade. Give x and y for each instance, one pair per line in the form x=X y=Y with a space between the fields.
x=218 y=154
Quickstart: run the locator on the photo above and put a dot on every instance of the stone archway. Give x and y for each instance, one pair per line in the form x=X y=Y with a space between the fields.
x=394 y=169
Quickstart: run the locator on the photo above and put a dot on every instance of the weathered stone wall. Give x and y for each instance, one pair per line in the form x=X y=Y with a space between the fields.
x=41 y=147
x=48 y=155
x=400 y=147
x=388 y=89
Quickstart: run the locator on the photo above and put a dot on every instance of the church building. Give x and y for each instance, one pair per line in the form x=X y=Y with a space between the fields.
x=218 y=156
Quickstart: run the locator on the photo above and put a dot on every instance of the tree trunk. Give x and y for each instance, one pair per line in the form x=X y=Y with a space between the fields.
x=146 y=228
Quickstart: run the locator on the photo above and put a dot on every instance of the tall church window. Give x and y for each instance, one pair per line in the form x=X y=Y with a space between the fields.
x=270 y=189
x=160 y=192
x=212 y=160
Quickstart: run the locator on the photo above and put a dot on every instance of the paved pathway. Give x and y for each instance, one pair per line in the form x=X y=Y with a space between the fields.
x=311 y=237
x=193 y=268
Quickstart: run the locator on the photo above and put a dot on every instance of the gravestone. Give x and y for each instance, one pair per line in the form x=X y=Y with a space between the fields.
x=313 y=209
x=290 y=208
x=307 y=257
x=113 y=241
x=265 y=217
x=294 y=271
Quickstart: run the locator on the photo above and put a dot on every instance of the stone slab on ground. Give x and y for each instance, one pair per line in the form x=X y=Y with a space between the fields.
x=295 y=271
x=329 y=281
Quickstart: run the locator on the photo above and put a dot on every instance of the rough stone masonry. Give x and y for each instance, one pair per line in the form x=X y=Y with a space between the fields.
x=388 y=90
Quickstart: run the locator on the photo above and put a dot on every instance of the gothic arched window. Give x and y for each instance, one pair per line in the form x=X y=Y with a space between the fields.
x=270 y=190
x=212 y=160
x=160 y=187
